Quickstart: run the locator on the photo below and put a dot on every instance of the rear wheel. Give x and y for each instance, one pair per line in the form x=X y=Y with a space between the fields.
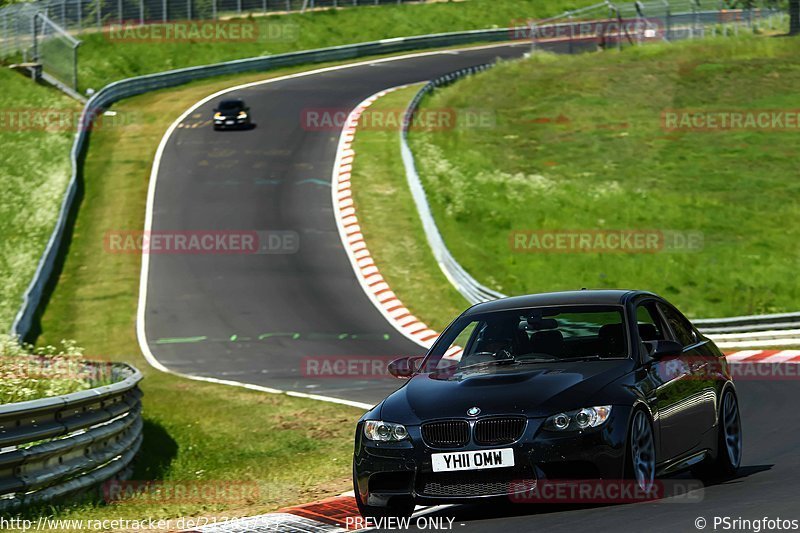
x=642 y=452
x=729 y=441
x=400 y=507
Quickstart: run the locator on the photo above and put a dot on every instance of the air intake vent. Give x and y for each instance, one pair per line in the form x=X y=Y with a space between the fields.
x=493 y=431
x=446 y=434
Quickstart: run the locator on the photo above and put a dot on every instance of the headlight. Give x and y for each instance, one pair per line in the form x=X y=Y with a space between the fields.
x=218 y=116
x=384 y=431
x=588 y=417
x=242 y=114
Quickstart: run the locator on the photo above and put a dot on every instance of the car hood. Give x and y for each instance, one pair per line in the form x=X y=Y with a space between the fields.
x=534 y=391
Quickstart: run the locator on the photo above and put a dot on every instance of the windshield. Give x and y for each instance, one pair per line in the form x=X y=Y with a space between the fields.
x=230 y=105
x=528 y=336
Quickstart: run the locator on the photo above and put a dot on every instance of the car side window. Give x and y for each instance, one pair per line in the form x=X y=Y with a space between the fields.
x=649 y=323
x=684 y=332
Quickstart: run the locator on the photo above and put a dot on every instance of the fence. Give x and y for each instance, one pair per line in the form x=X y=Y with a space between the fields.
x=76 y=16
x=570 y=33
x=56 y=446
x=133 y=86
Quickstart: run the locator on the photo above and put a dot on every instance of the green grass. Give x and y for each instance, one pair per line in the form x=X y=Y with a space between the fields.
x=34 y=171
x=295 y=450
x=608 y=164
x=29 y=373
x=379 y=189
x=104 y=59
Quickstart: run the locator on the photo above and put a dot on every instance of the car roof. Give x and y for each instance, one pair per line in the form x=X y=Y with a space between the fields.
x=581 y=297
x=231 y=101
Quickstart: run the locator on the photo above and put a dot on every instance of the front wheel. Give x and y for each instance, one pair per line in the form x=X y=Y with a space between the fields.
x=398 y=507
x=641 y=465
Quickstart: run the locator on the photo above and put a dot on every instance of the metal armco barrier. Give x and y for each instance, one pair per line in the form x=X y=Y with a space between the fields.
x=89 y=437
x=779 y=328
x=133 y=86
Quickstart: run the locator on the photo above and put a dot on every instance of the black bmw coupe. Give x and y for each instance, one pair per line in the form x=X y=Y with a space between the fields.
x=606 y=385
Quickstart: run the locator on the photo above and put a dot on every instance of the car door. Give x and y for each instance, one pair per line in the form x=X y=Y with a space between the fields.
x=670 y=387
x=701 y=365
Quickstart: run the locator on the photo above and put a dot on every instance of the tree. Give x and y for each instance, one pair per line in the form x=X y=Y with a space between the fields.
x=794 y=17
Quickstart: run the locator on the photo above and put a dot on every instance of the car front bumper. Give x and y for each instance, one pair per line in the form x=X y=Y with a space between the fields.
x=232 y=123
x=384 y=471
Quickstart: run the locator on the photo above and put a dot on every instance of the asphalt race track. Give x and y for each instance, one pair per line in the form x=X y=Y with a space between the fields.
x=254 y=318
x=767 y=485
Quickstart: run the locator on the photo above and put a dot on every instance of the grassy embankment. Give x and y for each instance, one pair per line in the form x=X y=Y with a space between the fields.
x=579 y=144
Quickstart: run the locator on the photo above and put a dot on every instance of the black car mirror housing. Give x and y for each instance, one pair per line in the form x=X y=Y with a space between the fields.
x=405 y=367
x=661 y=349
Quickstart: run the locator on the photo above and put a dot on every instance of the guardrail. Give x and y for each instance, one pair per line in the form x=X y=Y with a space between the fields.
x=133 y=86
x=468 y=286
x=756 y=330
x=57 y=446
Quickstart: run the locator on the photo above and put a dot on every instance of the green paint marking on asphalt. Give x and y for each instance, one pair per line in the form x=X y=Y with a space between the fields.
x=181 y=340
x=315 y=181
x=294 y=336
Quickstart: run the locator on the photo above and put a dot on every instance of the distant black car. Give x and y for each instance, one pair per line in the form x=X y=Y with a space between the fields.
x=607 y=385
x=232 y=114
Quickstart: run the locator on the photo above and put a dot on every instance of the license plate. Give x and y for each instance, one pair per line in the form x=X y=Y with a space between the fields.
x=473 y=460
x=228 y=122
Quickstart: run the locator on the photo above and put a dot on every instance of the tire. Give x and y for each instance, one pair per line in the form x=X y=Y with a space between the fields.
x=640 y=464
x=398 y=507
x=729 y=441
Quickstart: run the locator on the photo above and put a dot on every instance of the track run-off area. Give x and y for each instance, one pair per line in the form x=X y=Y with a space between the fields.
x=253 y=319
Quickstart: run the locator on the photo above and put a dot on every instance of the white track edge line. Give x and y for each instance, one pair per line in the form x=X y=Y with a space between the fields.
x=148 y=222
x=357 y=270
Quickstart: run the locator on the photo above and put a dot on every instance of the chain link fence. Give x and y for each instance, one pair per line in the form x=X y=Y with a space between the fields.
x=75 y=16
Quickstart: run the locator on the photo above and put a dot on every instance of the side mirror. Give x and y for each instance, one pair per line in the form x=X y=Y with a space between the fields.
x=405 y=367
x=661 y=349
